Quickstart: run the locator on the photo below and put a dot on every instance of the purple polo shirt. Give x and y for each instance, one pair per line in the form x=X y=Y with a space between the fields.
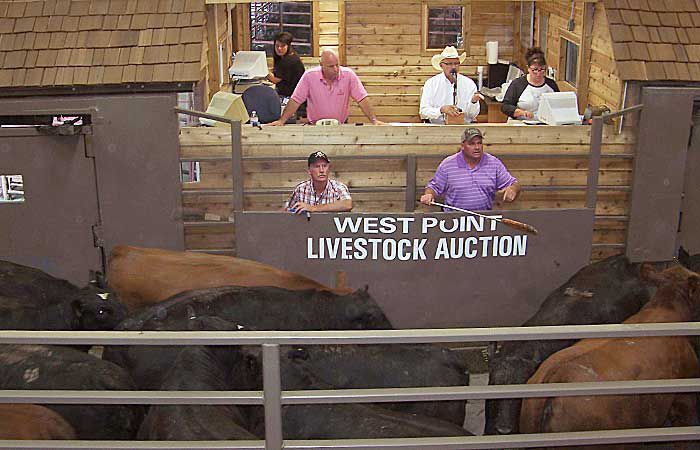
x=328 y=100
x=473 y=189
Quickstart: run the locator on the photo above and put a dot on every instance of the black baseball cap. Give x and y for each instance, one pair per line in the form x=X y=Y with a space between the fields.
x=315 y=156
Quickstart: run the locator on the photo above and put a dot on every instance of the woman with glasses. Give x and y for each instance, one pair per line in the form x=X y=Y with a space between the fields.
x=523 y=95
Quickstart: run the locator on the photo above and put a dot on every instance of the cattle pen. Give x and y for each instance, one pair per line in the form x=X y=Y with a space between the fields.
x=101 y=147
x=272 y=397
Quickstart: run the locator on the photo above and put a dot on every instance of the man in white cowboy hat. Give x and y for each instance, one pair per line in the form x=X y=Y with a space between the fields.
x=437 y=99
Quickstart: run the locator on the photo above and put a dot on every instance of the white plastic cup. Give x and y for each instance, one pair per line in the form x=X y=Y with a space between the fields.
x=492 y=52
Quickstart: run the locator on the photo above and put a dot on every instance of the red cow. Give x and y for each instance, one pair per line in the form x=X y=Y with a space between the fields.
x=677 y=299
x=33 y=422
x=144 y=276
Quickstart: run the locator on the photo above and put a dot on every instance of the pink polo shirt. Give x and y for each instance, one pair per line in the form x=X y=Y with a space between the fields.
x=328 y=102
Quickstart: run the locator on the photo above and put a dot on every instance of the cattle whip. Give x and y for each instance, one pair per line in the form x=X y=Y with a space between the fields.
x=510 y=222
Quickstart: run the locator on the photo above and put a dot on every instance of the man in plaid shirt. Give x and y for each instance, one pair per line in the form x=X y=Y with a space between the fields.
x=319 y=193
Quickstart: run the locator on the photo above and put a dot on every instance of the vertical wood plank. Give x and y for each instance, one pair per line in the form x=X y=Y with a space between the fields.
x=213 y=81
x=585 y=56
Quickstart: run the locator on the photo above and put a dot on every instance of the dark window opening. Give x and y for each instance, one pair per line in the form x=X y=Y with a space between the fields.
x=570 y=62
x=445 y=27
x=268 y=19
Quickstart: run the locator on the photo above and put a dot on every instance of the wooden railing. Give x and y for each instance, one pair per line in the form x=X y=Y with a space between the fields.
x=551 y=163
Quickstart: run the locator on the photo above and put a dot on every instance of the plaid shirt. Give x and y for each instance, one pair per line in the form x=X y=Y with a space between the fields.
x=304 y=192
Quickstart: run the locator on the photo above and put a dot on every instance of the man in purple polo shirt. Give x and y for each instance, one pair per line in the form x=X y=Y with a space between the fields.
x=470 y=178
x=327 y=89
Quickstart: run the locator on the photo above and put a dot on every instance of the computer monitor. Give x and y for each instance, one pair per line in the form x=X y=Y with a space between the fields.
x=227 y=105
x=559 y=108
x=249 y=65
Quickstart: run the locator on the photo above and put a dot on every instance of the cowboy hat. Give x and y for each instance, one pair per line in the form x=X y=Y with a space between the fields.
x=448 y=52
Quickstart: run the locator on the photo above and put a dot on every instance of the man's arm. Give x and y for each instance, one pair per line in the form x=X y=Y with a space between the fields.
x=473 y=107
x=512 y=192
x=336 y=206
x=428 y=109
x=288 y=112
x=436 y=186
x=428 y=196
x=506 y=182
x=366 y=108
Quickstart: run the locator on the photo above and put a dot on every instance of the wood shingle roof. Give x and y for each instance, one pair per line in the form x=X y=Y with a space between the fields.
x=655 y=39
x=53 y=43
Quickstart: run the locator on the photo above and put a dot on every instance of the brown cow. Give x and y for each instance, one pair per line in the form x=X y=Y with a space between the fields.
x=677 y=299
x=33 y=422
x=144 y=276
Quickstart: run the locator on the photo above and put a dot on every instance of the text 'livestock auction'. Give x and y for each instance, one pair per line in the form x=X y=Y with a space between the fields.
x=391 y=247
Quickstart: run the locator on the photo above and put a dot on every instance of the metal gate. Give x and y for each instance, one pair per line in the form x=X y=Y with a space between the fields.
x=116 y=182
x=665 y=207
x=688 y=237
x=60 y=207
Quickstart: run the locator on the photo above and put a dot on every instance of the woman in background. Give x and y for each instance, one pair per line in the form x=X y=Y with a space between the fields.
x=523 y=95
x=287 y=68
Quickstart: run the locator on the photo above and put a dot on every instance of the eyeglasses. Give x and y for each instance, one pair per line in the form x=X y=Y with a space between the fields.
x=455 y=64
x=537 y=69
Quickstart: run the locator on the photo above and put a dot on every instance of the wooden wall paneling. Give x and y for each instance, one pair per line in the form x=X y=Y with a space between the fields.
x=585 y=56
x=383 y=45
x=230 y=30
x=209 y=236
x=268 y=182
x=341 y=32
x=241 y=26
x=315 y=20
x=605 y=86
x=517 y=47
x=213 y=82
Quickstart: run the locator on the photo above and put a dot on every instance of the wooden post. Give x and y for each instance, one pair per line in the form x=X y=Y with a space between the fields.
x=585 y=56
x=411 y=168
x=341 y=32
x=212 y=52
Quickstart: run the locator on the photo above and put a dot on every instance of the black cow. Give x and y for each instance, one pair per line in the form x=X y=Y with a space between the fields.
x=92 y=309
x=202 y=368
x=33 y=285
x=33 y=300
x=358 y=421
x=608 y=291
x=350 y=420
x=198 y=369
x=357 y=367
x=54 y=367
x=690 y=262
x=257 y=308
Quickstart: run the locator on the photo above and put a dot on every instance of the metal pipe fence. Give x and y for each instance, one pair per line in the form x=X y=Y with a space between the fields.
x=273 y=398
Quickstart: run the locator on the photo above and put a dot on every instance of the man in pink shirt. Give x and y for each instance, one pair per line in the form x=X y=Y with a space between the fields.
x=327 y=90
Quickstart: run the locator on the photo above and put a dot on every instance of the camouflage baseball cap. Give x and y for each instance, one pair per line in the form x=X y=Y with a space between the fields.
x=471 y=133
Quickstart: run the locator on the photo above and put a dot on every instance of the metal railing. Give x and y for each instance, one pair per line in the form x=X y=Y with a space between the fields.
x=273 y=398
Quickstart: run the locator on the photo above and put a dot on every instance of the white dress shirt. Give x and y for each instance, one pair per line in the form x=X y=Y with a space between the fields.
x=438 y=92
